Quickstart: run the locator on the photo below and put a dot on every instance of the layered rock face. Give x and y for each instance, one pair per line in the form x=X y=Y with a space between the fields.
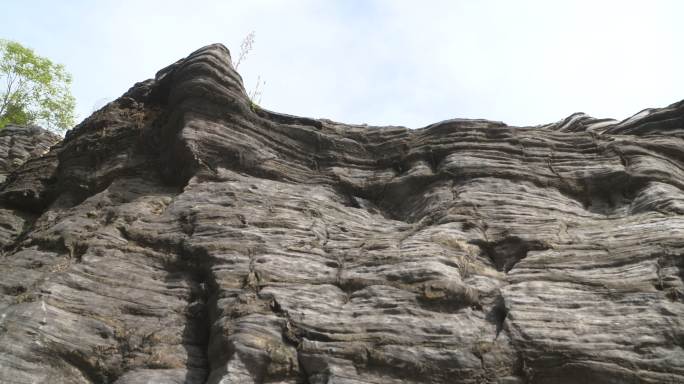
x=18 y=144
x=183 y=235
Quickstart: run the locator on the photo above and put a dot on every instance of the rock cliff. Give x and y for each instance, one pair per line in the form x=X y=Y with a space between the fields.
x=182 y=234
x=18 y=144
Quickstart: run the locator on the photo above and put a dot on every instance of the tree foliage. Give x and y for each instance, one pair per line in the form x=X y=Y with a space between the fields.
x=34 y=89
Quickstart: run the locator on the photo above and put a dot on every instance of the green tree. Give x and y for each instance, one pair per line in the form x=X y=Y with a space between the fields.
x=35 y=90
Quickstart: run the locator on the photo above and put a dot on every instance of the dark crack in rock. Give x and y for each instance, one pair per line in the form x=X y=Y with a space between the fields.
x=182 y=234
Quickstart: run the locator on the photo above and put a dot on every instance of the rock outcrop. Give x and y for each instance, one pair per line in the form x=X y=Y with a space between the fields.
x=18 y=144
x=182 y=234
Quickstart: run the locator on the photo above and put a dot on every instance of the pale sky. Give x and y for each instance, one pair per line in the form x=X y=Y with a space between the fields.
x=408 y=63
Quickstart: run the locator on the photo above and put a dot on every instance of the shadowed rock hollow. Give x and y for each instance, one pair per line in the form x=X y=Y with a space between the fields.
x=182 y=235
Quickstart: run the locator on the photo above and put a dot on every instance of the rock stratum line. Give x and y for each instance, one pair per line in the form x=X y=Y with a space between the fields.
x=183 y=235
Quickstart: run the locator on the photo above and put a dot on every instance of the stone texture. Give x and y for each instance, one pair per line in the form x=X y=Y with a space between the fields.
x=18 y=144
x=183 y=235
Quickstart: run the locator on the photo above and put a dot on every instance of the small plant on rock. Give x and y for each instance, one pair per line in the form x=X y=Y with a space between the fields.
x=256 y=93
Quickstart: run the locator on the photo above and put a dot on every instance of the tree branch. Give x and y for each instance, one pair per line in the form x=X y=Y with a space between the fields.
x=8 y=92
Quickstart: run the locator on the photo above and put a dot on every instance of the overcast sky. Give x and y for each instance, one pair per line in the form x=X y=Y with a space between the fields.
x=408 y=63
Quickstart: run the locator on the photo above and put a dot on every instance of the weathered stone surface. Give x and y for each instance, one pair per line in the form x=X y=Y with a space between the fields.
x=18 y=144
x=182 y=235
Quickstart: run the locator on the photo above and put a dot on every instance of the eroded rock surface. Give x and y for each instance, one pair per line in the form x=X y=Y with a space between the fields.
x=183 y=235
x=18 y=144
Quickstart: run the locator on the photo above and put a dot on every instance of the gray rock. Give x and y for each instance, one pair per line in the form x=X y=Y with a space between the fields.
x=182 y=234
x=19 y=143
